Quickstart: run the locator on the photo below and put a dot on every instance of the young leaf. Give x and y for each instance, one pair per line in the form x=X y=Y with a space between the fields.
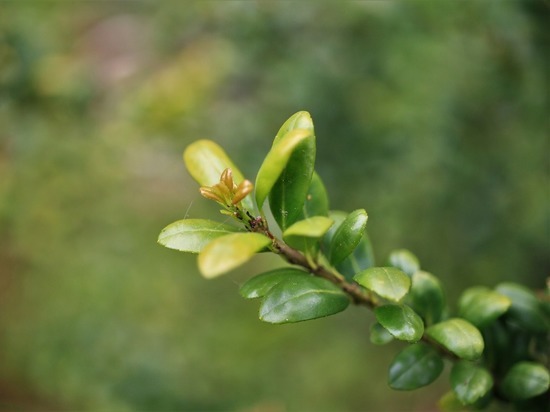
x=526 y=310
x=379 y=335
x=426 y=296
x=276 y=161
x=228 y=252
x=525 y=380
x=302 y=235
x=450 y=403
x=314 y=227
x=389 y=283
x=401 y=321
x=416 y=366
x=206 y=160
x=302 y=298
x=316 y=203
x=192 y=235
x=405 y=260
x=458 y=336
x=299 y=120
x=258 y=286
x=347 y=236
x=481 y=306
x=470 y=382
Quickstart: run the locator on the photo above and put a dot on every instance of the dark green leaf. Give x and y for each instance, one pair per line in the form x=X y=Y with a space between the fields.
x=192 y=235
x=230 y=251
x=206 y=160
x=258 y=286
x=347 y=236
x=389 y=283
x=401 y=321
x=316 y=203
x=302 y=298
x=426 y=296
x=481 y=306
x=278 y=159
x=458 y=336
x=289 y=193
x=362 y=258
x=470 y=382
x=405 y=260
x=526 y=310
x=415 y=366
x=379 y=335
x=525 y=380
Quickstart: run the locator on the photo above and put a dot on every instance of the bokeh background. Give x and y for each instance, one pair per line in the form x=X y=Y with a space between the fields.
x=432 y=115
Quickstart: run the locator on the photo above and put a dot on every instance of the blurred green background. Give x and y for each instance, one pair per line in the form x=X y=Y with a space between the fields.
x=432 y=115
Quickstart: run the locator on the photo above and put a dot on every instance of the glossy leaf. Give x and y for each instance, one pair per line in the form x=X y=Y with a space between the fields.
x=289 y=193
x=470 y=382
x=206 y=160
x=481 y=306
x=299 y=120
x=347 y=236
x=458 y=336
x=303 y=234
x=228 y=252
x=426 y=296
x=258 y=286
x=362 y=258
x=405 y=260
x=401 y=321
x=379 y=335
x=192 y=235
x=525 y=380
x=276 y=161
x=302 y=298
x=389 y=283
x=526 y=310
x=316 y=203
x=415 y=366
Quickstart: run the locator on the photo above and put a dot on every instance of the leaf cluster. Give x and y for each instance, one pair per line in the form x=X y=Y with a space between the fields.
x=496 y=341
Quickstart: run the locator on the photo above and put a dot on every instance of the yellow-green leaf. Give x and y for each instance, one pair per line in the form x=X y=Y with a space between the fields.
x=389 y=283
x=230 y=251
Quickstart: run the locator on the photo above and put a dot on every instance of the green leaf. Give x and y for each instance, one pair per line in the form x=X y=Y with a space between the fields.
x=299 y=120
x=362 y=258
x=426 y=296
x=316 y=203
x=206 y=160
x=230 y=251
x=401 y=321
x=470 y=382
x=389 y=283
x=276 y=161
x=347 y=236
x=415 y=366
x=405 y=260
x=450 y=403
x=481 y=306
x=302 y=298
x=526 y=310
x=192 y=235
x=525 y=380
x=303 y=234
x=458 y=336
x=289 y=193
x=258 y=286
x=379 y=335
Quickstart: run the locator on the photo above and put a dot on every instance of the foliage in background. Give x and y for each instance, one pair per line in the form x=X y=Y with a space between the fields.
x=436 y=111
